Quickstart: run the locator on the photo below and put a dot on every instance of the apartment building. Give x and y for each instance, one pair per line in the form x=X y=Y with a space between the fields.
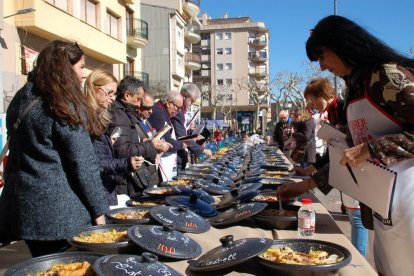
x=234 y=70
x=173 y=27
x=111 y=33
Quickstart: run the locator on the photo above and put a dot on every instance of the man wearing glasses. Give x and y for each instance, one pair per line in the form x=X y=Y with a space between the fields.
x=161 y=115
x=190 y=93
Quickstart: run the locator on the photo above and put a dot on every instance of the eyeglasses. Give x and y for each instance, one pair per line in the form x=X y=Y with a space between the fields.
x=144 y=107
x=107 y=93
x=175 y=106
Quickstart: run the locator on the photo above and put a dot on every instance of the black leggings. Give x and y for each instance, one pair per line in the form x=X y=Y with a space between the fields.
x=40 y=248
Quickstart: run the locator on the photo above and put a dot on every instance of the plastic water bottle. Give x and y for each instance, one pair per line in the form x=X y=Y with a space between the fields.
x=306 y=218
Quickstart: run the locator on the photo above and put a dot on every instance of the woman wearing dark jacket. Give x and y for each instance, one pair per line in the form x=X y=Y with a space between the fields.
x=304 y=135
x=52 y=183
x=100 y=87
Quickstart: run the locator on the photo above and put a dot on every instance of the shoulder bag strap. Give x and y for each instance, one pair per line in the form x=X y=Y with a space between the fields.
x=16 y=126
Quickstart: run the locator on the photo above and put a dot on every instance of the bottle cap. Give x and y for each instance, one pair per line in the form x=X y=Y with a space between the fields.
x=306 y=201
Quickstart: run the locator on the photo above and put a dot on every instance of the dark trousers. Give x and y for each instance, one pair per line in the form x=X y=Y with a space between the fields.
x=40 y=248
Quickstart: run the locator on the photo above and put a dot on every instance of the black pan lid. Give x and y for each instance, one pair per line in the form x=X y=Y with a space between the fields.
x=237 y=213
x=212 y=188
x=230 y=253
x=244 y=187
x=120 y=264
x=181 y=218
x=200 y=193
x=196 y=205
x=235 y=195
x=44 y=263
x=164 y=241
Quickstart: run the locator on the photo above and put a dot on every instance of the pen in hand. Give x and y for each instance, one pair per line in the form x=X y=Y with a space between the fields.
x=351 y=172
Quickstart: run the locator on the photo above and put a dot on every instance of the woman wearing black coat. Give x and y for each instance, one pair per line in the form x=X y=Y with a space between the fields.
x=100 y=87
x=304 y=135
x=52 y=184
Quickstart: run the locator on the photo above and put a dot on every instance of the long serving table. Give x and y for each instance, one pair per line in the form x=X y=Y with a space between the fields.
x=326 y=230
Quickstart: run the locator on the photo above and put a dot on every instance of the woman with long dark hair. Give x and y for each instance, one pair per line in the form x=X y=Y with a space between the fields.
x=52 y=182
x=379 y=106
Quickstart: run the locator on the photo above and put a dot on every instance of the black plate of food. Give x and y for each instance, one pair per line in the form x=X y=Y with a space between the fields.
x=76 y=262
x=272 y=218
x=102 y=237
x=315 y=257
x=160 y=191
x=129 y=215
x=145 y=201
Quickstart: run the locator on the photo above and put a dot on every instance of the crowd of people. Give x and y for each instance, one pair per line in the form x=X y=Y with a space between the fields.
x=79 y=146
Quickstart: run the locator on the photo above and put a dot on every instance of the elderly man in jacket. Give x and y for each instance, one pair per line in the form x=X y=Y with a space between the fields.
x=163 y=111
x=190 y=93
x=124 y=115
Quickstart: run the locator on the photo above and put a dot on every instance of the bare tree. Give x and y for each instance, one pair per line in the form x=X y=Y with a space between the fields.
x=215 y=96
x=289 y=93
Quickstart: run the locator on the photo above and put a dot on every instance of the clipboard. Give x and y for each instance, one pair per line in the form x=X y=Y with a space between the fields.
x=374 y=186
x=162 y=131
x=193 y=135
x=329 y=132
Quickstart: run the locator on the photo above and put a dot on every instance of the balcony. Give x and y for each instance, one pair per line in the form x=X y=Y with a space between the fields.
x=192 y=61
x=191 y=36
x=203 y=73
x=258 y=42
x=102 y=47
x=137 y=36
x=258 y=57
x=205 y=58
x=192 y=7
x=142 y=76
x=258 y=72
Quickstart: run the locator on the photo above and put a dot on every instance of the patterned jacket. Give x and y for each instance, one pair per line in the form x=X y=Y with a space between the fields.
x=391 y=87
x=53 y=187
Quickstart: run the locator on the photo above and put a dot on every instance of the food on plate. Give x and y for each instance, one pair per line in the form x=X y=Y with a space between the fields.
x=148 y=203
x=265 y=198
x=287 y=255
x=69 y=269
x=179 y=182
x=110 y=236
x=132 y=215
x=160 y=191
x=277 y=172
x=275 y=212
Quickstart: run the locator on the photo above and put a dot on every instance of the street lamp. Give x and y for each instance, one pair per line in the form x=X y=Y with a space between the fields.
x=21 y=11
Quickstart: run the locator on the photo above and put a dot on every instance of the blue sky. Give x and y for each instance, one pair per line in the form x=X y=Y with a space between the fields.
x=289 y=22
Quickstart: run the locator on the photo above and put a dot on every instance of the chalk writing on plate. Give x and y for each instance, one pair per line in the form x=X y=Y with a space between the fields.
x=230 y=257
